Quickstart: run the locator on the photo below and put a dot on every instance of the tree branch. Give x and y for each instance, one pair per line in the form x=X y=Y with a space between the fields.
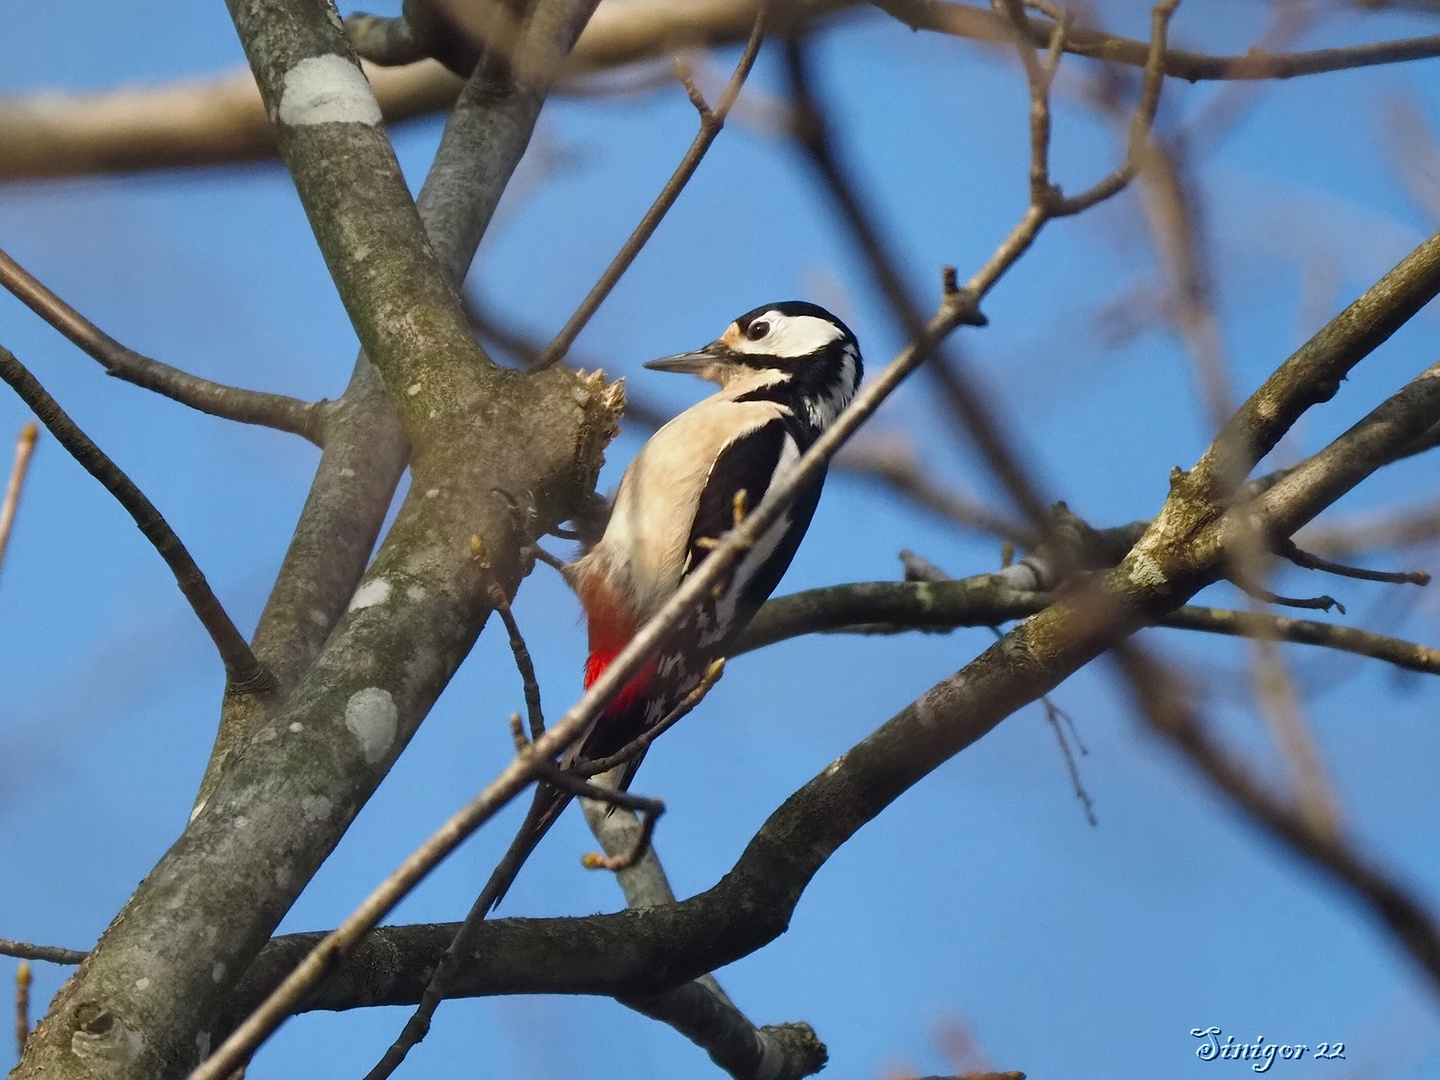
x=303 y=418
x=219 y=119
x=51 y=954
x=243 y=673
x=24 y=447
x=711 y=123
x=275 y=812
x=894 y=607
x=701 y=1010
x=1314 y=372
x=1162 y=700
x=975 y=23
x=973 y=413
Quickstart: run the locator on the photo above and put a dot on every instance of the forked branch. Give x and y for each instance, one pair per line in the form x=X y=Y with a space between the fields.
x=303 y=418
x=711 y=122
x=243 y=673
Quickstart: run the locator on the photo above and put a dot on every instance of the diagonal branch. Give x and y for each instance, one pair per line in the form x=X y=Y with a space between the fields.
x=894 y=607
x=1162 y=700
x=219 y=119
x=973 y=413
x=243 y=673
x=52 y=954
x=24 y=447
x=303 y=418
x=975 y=23
x=701 y=1010
x=530 y=762
x=711 y=123
x=653 y=949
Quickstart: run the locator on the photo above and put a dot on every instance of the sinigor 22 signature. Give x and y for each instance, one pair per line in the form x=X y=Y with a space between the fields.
x=1260 y=1053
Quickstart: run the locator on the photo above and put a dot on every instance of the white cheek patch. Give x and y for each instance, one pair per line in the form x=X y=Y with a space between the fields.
x=327 y=89
x=790 y=335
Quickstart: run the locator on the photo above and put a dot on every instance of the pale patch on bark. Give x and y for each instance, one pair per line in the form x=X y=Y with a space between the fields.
x=370 y=593
x=372 y=717
x=327 y=89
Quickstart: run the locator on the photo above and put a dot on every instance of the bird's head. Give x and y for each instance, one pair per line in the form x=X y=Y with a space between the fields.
x=791 y=352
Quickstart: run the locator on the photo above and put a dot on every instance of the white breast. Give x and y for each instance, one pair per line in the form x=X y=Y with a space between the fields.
x=642 y=553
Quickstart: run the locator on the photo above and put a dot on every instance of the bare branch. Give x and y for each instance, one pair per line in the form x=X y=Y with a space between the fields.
x=303 y=418
x=1280 y=707
x=1403 y=654
x=701 y=1010
x=219 y=119
x=1313 y=373
x=892 y=607
x=637 y=746
x=501 y=603
x=51 y=954
x=967 y=21
x=1162 y=700
x=711 y=123
x=529 y=763
x=811 y=131
x=22 y=1008
x=1288 y=550
x=24 y=447
x=243 y=673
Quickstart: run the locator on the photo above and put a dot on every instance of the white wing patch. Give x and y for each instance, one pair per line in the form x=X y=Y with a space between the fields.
x=758 y=554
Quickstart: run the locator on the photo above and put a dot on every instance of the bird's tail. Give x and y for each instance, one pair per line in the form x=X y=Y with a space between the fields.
x=544 y=811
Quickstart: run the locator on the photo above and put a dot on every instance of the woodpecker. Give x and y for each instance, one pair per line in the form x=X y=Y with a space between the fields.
x=785 y=371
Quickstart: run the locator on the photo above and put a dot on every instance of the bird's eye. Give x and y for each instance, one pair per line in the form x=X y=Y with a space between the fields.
x=756 y=330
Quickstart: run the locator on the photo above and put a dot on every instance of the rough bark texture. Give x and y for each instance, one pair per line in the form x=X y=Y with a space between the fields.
x=497 y=454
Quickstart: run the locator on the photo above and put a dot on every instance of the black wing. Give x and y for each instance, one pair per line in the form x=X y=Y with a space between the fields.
x=749 y=464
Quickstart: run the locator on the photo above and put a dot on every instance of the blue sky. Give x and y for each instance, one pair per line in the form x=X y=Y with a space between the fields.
x=982 y=894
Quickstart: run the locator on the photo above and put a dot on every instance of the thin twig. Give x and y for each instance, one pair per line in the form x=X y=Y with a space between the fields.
x=22 y=1008
x=51 y=954
x=243 y=673
x=1256 y=591
x=967 y=21
x=1163 y=702
x=1280 y=706
x=303 y=418
x=501 y=603
x=1054 y=714
x=24 y=447
x=1288 y=550
x=811 y=131
x=641 y=743
x=984 y=600
x=1402 y=654
x=528 y=764
x=711 y=122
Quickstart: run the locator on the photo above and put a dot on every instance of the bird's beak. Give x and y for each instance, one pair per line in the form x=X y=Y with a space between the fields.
x=688 y=363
